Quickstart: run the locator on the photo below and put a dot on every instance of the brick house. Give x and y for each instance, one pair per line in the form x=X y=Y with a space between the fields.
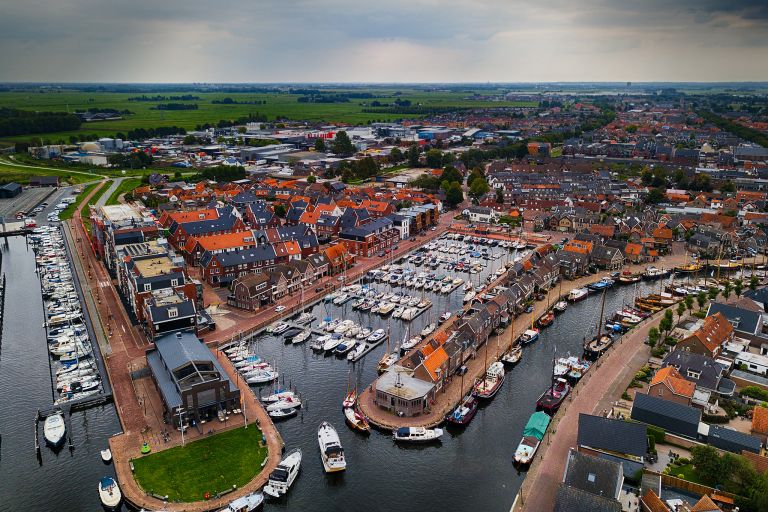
x=670 y=385
x=250 y=292
x=709 y=338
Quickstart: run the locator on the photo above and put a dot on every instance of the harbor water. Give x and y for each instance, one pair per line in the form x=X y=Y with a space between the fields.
x=470 y=469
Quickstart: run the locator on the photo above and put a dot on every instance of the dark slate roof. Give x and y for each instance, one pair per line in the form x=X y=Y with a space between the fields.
x=612 y=435
x=374 y=226
x=593 y=474
x=244 y=197
x=159 y=282
x=743 y=320
x=160 y=313
x=258 y=253
x=202 y=227
x=710 y=371
x=666 y=414
x=570 y=499
x=732 y=440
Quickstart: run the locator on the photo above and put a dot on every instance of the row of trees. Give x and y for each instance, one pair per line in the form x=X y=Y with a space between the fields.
x=175 y=106
x=132 y=160
x=744 y=132
x=23 y=122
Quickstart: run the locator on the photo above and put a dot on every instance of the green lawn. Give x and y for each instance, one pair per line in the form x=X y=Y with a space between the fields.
x=86 y=214
x=687 y=472
x=13 y=171
x=69 y=211
x=212 y=465
x=125 y=186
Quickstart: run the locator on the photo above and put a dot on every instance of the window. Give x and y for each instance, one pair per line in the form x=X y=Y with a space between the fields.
x=147 y=287
x=173 y=312
x=174 y=282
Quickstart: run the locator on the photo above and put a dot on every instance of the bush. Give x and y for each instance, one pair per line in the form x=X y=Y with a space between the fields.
x=682 y=461
x=700 y=314
x=651 y=444
x=714 y=418
x=755 y=392
x=656 y=433
x=625 y=396
x=659 y=352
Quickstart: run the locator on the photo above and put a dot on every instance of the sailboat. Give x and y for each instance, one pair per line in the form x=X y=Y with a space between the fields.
x=601 y=342
x=388 y=359
x=551 y=400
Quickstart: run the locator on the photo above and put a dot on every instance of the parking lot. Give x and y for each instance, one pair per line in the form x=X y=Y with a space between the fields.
x=28 y=199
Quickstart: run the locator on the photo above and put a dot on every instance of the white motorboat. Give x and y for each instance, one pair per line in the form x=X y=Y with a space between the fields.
x=281 y=479
x=377 y=335
x=106 y=455
x=291 y=402
x=409 y=314
x=302 y=337
x=330 y=326
x=262 y=376
x=363 y=334
x=444 y=317
x=331 y=452
x=468 y=286
x=357 y=352
x=109 y=492
x=386 y=308
x=332 y=343
x=54 y=429
x=280 y=328
x=345 y=346
x=283 y=413
x=577 y=294
x=469 y=296
x=398 y=312
x=247 y=503
x=416 y=434
x=305 y=318
x=413 y=302
x=429 y=329
x=340 y=299
x=560 y=306
x=278 y=396
x=424 y=304
x=446 y=288
x=344 y=326
x=457 y=282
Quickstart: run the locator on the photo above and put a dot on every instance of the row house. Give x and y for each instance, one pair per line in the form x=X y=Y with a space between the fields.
x=371 y=238
x=304 y=236
x=260 y=215
x=250 y=292
x=167 y=218
x=609 y=258
x=116 y=225
x=197 y=246
x=339 y=258
x=222 y=268
x=168 y=311
x=179 y=233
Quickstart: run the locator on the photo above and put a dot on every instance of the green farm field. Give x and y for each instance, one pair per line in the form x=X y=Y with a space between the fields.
x=278 y=105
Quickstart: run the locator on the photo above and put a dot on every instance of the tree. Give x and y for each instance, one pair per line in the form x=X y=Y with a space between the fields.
x=451 y=174
x=727 y=290
x=412 y=154
x=396 y=156
x=738 y=287
x=311 y=179
x=280 y=210
x=688 y=302
x=434 y=158
x=653 y=336
x=454 y=195
x=426 y=182
x=500 y=196
x=713 y=292
x=680 y=310
x=655 y=196
x=476 y=174
x=320 y=145
x=242 y=129
x=342 y=145
x=753 y=282
x=478 y=189
x=728 y=186
x=701 y=299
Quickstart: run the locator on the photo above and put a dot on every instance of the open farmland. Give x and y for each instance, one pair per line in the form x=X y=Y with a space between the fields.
x=278 y=105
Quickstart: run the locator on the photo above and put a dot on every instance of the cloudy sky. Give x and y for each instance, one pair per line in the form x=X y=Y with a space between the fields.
x=383 y=41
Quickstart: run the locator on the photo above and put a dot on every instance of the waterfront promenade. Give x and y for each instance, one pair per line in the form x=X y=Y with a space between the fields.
x=136 y=400
x=452 y=392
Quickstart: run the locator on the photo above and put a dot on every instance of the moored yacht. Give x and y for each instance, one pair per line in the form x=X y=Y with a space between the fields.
x=283 y=476
x=331 y=452
x=416 y=434
x=491 y=383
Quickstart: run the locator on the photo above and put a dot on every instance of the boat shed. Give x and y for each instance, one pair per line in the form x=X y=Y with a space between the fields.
x=189 y=378
x=673 y=417
x=398 y=392
x=732 y=440
x=10 y=190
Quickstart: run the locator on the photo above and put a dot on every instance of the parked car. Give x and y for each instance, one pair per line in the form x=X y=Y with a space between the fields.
x=279 y=309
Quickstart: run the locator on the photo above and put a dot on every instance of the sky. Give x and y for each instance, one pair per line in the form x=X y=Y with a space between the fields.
x=172 y=41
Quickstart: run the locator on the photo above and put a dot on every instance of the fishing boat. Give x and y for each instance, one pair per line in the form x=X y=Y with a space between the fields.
x=247 y=503
x=54 y=429
x=356 y=420
x=109 y=493
x=416 y=434
x=646 y=306
x=560 y=306
x=283 y=476
x=529 y=336
x=331 y=452
x=106 y=455
x=546 y=319
x=551 y=400
x=513 y=356
x=464 y=412
x=577 y=294
x=628 y=277
x=655 y=273
x=600 y=342
x=533 y=433
x=491 y=382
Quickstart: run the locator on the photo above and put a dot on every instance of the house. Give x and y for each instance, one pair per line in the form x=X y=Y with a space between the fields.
x=709 y=338
x=606 y=257
x=673 y=417
x=613 y=439
x=705 y=372
x=744 y=321
x=760 y=423
x=222 y=268
x=189 y=377
x=670 y=385
x=481 y=214
x=44 y=181
x=754 y=363
x=372 y=238
x=589 y=484
x=400 y=393
x=168 y=311
x=732 y=440
x=250 y=292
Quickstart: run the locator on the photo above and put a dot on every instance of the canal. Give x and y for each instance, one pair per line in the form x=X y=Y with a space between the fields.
x=469 y=470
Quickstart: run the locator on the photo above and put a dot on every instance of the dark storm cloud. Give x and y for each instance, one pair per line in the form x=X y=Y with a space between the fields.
x=398 y=40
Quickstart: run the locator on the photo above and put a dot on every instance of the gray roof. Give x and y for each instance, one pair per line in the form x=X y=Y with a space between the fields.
x=760 y=295
x=570 y=499
x=671 y=416
x=184 y=309
x=612 y=435
x=408 y=388
x=743 y=320
x=258 y=253
x=593 y=474
x=732 y=440
x=710 y=372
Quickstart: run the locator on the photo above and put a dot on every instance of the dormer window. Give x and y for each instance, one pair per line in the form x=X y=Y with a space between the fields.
x=173 y=312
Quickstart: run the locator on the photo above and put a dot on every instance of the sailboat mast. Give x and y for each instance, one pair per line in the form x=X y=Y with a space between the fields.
x=602 y=312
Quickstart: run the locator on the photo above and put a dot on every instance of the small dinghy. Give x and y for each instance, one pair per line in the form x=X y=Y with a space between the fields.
x=106 y=456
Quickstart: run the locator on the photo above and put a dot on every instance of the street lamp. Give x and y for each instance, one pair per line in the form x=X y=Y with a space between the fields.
x=181 y=425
